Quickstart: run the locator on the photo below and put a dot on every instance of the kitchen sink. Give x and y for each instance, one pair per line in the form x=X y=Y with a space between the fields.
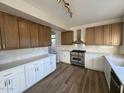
x=119 y=63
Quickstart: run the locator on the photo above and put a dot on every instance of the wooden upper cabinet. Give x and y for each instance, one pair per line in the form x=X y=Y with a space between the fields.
x=67 y=38
x=41 y=35
x=63 y=38
x=34 y=34
x=24 y=32
x=90 y=36
x=0 y=30
x=48 y=36
x=99 y=35
x=116 y=33
x=107 y=35
x=44 y=35
x=9 y=31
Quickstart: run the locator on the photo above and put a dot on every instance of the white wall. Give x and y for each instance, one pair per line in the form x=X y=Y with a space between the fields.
x=19 y=54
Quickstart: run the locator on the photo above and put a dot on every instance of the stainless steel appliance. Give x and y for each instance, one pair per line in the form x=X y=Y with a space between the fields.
x=77 y=57
x=116 y=86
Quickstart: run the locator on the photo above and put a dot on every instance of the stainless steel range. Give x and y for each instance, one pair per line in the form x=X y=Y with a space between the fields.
x=77 y=57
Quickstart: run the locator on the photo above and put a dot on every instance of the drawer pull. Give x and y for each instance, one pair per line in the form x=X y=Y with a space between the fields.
x=7 y=74
x=9 y=82
x=5 y=84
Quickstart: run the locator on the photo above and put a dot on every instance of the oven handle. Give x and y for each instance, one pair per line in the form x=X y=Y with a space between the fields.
x=115 y=82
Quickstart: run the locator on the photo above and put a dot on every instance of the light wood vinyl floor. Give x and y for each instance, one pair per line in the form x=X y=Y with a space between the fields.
x=71 y=79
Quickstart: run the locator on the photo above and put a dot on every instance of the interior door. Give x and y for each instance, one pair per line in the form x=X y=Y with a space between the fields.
x=9 y=31
x=3 y=87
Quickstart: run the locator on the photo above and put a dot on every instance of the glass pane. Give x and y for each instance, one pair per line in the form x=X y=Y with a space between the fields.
x=53 y=36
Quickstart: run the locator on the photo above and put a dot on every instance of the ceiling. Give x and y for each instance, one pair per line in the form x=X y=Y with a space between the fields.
x=84 y=11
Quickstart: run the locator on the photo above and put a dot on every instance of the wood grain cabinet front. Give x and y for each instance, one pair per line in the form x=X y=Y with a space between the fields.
x=90 y=36
x=34 y=34
x=99 y=35
x=116 y=33
x=9 y=31
x=44 y=35
x=104 y=35
x=67 y=38
x=24 y=33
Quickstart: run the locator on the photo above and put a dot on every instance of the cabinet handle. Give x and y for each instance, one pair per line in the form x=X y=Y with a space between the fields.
x=5 y=84
x=35 y=69
x=4 y=46
x=7 y=74
x=9 y=82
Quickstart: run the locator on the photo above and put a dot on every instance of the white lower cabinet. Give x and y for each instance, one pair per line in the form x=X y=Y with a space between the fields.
x=13 y=81
x=18 y=79
x=39 y=69
x=94 y=61
x=64 y=56
x=3 y=86
x=30 y=74
x=53 y=62
x=107 y=72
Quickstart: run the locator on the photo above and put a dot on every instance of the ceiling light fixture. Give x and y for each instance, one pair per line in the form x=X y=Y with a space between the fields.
x=67 y=6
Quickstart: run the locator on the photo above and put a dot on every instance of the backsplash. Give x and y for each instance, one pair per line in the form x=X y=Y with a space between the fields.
x=95 y=49
x=19 y=54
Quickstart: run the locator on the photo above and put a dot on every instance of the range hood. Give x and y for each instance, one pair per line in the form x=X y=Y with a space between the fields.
x=79 y=41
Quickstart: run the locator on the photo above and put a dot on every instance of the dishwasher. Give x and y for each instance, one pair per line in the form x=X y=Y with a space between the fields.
x=116 y=86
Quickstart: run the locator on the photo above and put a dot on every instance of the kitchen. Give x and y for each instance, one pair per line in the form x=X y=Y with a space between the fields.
x=85 y=54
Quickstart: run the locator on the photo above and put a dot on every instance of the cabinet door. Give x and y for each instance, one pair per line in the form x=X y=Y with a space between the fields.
x=17 y=83
x=53 y=62
x=63 y=38
x=107 y=35
x=90 y=36
x=47 y=66
x=67 y=38
x=44 y=35
x=41 y=35
x=40 y=71
x=9 y=31
x=48 y=36
x=30 y=75
x=0 y=30
x=34 y=34
x=116 y=33
x=3 y=87
x=99 y=35
x=24 y=33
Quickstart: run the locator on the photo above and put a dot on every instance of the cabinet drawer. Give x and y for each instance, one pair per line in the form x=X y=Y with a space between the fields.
x=11 y=72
